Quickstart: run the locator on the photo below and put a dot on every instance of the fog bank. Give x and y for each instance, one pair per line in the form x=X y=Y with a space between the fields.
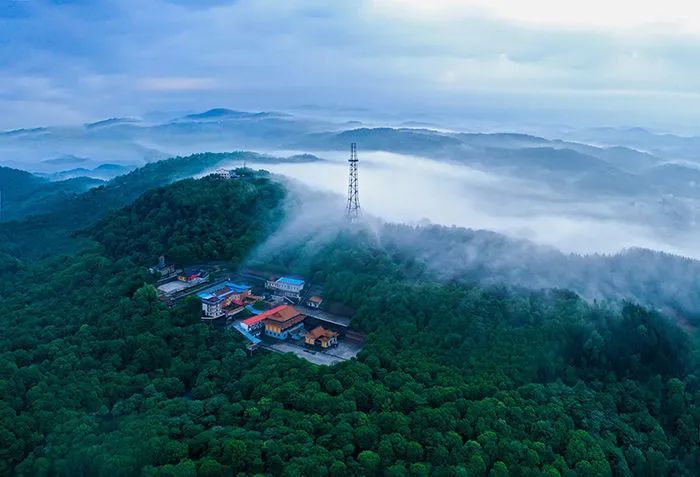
x=412 y=189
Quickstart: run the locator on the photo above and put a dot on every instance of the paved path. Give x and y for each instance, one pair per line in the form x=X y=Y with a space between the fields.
x=316 y=358
x=324 y=315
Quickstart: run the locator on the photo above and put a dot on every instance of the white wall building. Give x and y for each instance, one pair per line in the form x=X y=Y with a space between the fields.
x=286 y=286
x=223 y=174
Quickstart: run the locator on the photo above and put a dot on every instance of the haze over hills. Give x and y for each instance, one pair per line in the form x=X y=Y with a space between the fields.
x=56 y=211
x=620 y=194
x=273 y=131
x=158 y=378
x=569 y=195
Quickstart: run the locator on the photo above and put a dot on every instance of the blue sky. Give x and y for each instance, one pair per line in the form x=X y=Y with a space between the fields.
x=602 y=62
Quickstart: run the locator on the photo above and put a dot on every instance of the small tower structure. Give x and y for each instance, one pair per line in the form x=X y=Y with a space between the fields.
x=352 y=210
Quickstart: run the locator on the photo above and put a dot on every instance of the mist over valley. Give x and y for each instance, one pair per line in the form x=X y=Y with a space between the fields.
x=530 y=212
x=570 y=195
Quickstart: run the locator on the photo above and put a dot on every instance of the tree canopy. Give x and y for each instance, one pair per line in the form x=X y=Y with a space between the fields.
x=99 y=377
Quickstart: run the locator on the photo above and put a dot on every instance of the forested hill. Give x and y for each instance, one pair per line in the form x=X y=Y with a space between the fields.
x=25 y=194
x=98 y=377
x=15 y=183
x=29 y=237
x=663 y=281
x=194 y=220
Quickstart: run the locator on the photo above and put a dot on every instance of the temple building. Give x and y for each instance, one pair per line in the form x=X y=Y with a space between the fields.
x=286 y=287
x=162 y=269
x=279 y=322
x=254 y=325
x=320 y=337
x=314 y=302
x=283 y=322
x=224 y=174
x=193 y=275
x=214 y=299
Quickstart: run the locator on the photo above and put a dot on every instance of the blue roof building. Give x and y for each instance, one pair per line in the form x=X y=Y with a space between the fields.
x=291 y=281
x=286 y=286
x=219 y=296
x=222 y=290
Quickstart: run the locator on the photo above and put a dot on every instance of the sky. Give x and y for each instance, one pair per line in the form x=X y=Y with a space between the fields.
x=614 y=62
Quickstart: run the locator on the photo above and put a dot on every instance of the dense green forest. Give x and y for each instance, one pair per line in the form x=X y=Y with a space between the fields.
x=654 y=278
x=98 y=377
x=25 y=194
x=28 y=238
x=194 y=220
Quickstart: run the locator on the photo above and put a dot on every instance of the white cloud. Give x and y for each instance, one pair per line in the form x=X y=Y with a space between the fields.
x=678 y=16
x=170 y=83
x=408 y=189
x=392 y=55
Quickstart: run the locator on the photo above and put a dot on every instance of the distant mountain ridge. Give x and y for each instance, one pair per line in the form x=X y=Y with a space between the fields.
x=24 y=131
x=669 y=146
x=111 y=122
x=102 y=172
x=224 y=113
x=26 y=194
x=65 y=160
x=621 y=168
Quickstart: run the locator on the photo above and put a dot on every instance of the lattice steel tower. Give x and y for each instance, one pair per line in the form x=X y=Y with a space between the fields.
x=352 y=211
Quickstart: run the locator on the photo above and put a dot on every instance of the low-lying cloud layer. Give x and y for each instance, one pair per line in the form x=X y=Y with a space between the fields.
x=410 y=189
x=666 y=282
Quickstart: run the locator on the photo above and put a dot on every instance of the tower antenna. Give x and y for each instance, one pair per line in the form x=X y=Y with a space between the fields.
x=352 y=210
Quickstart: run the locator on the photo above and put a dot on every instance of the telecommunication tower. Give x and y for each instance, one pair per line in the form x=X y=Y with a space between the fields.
x=352 y=211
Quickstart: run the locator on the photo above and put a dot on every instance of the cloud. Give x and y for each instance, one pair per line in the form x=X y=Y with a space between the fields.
x=389 y=55
x=410 y=189
x=670 y=16
x=177 y=84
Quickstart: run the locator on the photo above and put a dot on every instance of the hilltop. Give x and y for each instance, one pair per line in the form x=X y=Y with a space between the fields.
x=27 y=237
x=191 y=220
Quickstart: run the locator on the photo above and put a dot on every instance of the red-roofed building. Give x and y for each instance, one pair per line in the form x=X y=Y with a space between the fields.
x=321 y=338
x=255 y=324
x=279 y=322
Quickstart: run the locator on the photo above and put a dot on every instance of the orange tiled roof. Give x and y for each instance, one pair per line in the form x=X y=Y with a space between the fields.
x=321 y=332
x=280 y=314
x=286 y=323
x=283 y=313
x=265 y=314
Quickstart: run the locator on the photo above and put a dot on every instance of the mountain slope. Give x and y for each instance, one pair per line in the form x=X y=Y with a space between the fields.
x=194 y=220
x=664 y=281
x=16 y=184
x=99 y=377
x=27 y=238
x=48 y=197
x=25 y=194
